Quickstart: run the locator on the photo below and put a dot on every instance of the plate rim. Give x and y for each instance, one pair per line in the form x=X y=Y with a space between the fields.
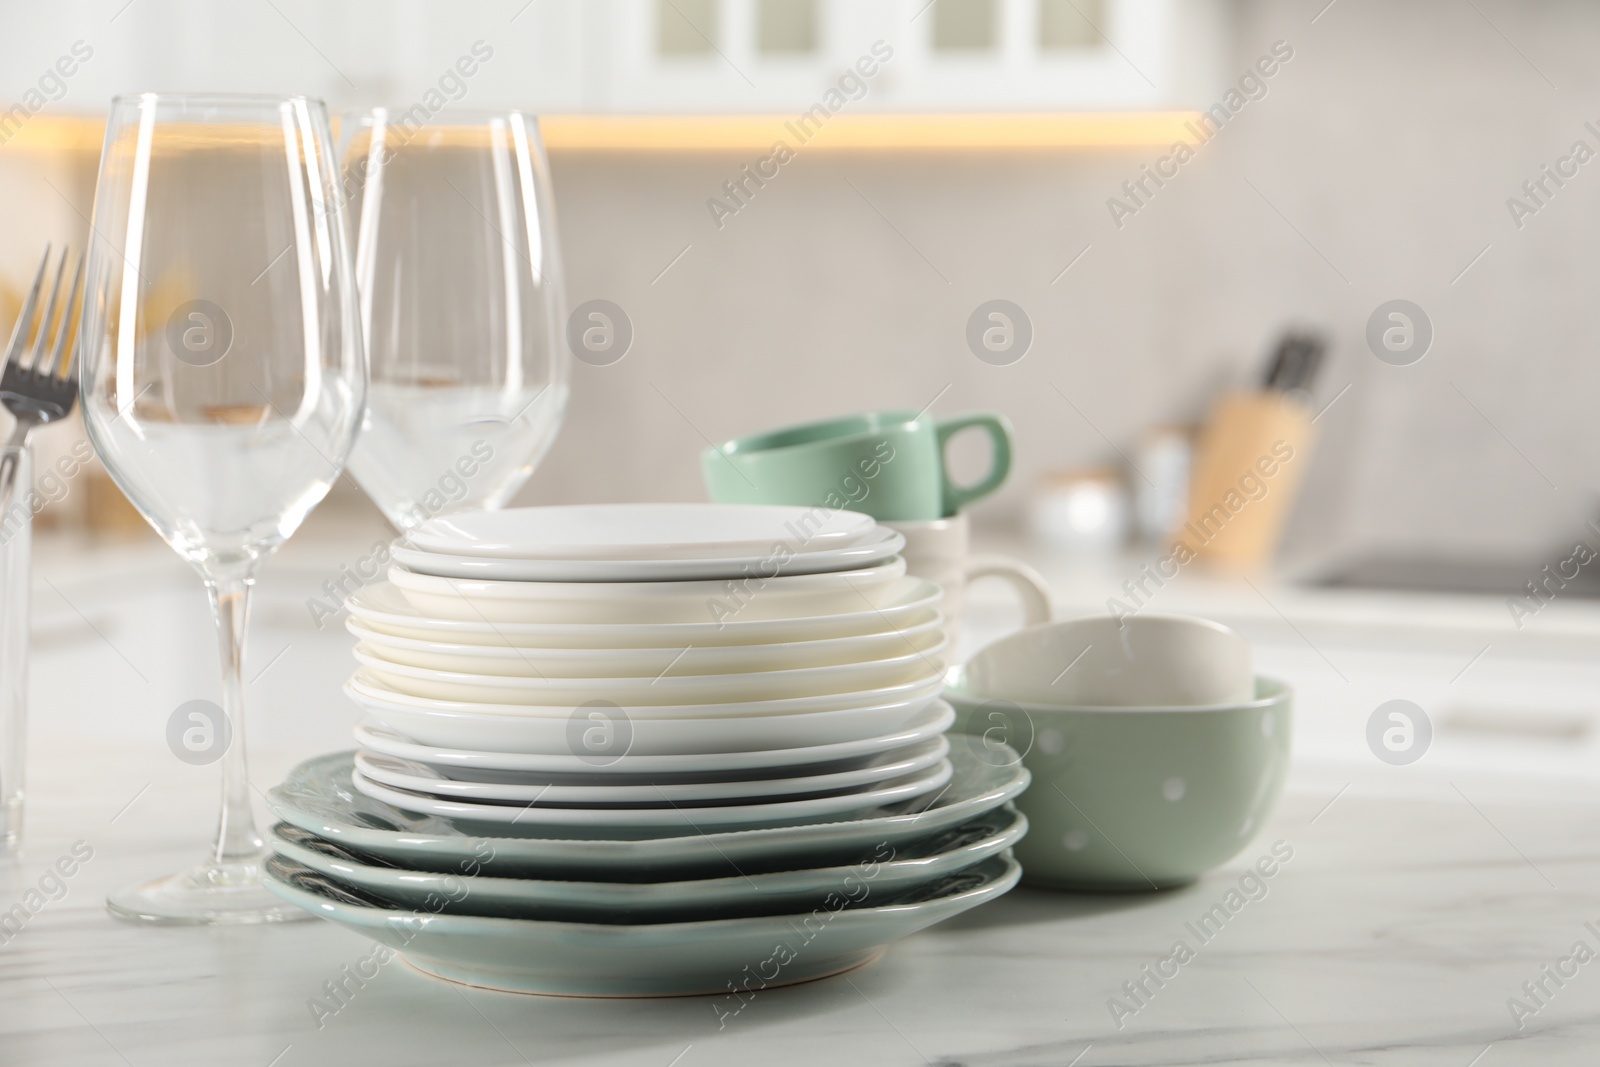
x=711 y=568
x=1005 y=836
x=367 y=635
x=929 y=597
x=1010 y=871
x=734 y=760
x=929 y=751
x=501 y=548
x=729 y=680
x=517 y=592
x=605 y=852
x=932 y=686
x=905 y=789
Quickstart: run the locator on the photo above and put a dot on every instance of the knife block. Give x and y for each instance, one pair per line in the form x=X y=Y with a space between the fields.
x=1247 y=469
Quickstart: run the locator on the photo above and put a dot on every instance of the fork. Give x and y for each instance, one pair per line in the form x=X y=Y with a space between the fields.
x=37 y=389
x=34 y=387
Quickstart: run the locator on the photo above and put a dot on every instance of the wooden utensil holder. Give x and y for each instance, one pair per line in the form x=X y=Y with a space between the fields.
x=1247 y=470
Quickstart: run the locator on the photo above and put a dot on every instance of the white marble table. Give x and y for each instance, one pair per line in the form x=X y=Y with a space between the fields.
x=1395 y=935
x=1418 y=900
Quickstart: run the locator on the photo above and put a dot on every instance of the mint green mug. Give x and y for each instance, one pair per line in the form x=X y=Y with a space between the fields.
x=887 y=464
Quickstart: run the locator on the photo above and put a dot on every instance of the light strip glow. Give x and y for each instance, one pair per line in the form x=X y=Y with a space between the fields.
x=690 y=133
x=668 y=133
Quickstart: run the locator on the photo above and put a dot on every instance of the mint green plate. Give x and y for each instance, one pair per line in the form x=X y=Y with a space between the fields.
x=655 y=959
x=891 y=867
x=318 y=796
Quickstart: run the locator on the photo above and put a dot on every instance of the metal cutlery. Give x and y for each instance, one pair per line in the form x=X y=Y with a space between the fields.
x=36 y=387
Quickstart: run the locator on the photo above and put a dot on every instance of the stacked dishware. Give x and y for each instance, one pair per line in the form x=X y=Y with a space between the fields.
x=630 y=749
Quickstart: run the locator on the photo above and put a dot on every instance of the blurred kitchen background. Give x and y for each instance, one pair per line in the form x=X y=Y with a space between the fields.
x=1375 y=163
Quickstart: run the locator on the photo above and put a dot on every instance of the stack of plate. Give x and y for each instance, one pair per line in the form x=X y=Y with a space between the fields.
x=626 y=749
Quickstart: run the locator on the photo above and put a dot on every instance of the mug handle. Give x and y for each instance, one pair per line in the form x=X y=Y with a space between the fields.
x=957 y=497
x=1030 y=587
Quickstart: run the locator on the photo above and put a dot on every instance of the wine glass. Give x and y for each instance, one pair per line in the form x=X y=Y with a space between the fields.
x=461 y=305
x=222 y=380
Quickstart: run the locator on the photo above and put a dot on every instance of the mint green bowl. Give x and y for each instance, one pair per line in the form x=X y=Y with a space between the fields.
x=1136 y=798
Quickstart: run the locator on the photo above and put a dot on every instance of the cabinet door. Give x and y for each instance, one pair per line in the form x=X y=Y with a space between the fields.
x=721 y=56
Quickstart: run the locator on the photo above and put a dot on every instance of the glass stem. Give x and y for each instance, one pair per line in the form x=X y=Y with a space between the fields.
x=237 y=840
x=16 y=479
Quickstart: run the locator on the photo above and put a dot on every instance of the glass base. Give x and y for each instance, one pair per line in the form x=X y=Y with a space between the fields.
x=212 y=893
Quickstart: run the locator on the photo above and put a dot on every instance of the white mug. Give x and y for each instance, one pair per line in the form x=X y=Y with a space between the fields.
x=936 y=549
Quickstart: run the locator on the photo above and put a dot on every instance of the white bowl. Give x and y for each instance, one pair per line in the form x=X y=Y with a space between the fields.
x=381 y=607
x=642 y=732
x=1100 y=661
x=523 y=660
x=931 y=721
x=882 y=544
x=614 y=602
x=640 y=531
x=919 y=665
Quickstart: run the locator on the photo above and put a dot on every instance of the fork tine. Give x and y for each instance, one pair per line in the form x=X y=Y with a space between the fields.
x=19 y=334
x=41 y=340
x=57 y=365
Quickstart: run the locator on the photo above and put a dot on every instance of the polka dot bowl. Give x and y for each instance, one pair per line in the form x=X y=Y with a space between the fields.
x=1127 y=799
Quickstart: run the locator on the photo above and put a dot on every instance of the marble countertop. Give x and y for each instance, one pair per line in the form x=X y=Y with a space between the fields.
x=1417 y=903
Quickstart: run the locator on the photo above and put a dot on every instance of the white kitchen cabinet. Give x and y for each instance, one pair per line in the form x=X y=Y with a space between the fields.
x=641 y=56
x=948 y=56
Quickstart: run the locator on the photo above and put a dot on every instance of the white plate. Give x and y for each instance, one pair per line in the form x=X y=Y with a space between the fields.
x=381 y=607
x=362 y=686
x=882 y=544
x=930 y=721
x=641 y=531
x=571 y=734
x=675 y=818
x=514 y=660
x=921 y=664
x=785 y=596
x=584 y=789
